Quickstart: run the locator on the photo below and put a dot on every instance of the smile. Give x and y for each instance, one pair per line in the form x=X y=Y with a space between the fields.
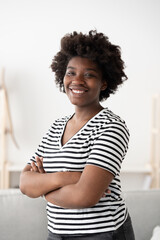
x=77 y=91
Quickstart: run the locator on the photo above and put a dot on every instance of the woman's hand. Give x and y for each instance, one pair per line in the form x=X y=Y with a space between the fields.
x=35 y=182
x=39 y=168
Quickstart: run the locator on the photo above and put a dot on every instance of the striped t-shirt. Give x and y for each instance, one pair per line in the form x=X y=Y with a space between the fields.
x=103 y=142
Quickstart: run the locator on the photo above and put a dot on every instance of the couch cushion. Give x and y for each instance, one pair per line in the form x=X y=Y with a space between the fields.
x=22 y=217
x=144 y=208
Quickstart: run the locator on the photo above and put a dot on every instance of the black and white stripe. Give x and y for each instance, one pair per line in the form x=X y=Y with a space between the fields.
x=102 y=142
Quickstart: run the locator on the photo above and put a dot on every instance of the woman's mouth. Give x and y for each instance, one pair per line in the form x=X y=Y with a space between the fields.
x=77 y=91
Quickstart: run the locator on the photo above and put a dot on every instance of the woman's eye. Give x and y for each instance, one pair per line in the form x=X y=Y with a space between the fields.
x=70 y=73
x=89 y=75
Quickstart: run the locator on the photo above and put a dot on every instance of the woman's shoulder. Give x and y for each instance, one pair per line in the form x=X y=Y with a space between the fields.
x=58 y=123
x=107 y=116
x=109 y=120
x=61 y=120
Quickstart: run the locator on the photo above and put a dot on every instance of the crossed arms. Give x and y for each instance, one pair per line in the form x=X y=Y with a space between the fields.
x=65 y=189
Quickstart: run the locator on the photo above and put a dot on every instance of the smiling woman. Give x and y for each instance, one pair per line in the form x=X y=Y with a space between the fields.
x=77 y=165
x=96 y=47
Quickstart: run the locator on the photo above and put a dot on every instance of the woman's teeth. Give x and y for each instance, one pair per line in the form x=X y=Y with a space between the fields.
x=77 y=91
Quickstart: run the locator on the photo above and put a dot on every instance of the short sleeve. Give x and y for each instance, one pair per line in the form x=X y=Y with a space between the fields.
x=40 y=149
x=110 y=148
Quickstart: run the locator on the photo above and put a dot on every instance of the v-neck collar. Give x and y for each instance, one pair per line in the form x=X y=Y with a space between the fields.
x=80 y=130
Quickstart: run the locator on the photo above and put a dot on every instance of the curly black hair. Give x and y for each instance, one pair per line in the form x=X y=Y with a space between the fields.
x=96 y=47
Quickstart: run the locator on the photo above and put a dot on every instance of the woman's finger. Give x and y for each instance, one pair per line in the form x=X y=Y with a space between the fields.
x=108 y=191
x=39 y=161
x=34 y=167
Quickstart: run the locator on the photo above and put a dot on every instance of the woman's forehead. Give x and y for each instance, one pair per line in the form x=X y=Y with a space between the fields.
x=77 y=62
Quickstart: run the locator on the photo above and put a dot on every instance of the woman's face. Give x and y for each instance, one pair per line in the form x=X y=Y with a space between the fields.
x=83 y=82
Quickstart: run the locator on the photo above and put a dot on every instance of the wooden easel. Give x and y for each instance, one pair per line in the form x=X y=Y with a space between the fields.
x=155 y=142
x=5 y=127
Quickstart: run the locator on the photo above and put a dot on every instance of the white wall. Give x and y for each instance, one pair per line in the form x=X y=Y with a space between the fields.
x=30 y=33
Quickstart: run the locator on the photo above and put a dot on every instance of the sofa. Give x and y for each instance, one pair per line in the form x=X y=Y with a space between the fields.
x=25 y=218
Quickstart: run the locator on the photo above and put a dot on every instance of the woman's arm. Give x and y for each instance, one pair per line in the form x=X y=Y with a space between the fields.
x=37 y=183
x=86 y=192
x=103 y=163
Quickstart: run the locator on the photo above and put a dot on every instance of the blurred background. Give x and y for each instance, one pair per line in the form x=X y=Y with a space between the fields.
x=30 y=33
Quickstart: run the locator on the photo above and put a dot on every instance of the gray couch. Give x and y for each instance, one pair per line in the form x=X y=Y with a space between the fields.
x=24 y=218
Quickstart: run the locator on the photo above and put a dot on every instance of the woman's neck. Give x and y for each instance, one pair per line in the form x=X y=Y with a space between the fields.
x=84 y=114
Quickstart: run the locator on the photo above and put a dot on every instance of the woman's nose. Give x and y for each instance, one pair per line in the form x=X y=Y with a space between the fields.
x=79 y=78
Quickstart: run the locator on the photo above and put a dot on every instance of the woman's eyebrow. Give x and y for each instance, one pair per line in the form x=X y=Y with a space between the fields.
x=71 y=67
x=92 y=69
x=88 y=69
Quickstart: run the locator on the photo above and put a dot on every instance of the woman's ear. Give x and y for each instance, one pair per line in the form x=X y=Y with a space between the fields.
x=104 y=86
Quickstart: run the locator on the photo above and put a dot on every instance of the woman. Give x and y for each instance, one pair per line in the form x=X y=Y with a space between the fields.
x=77 y=165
